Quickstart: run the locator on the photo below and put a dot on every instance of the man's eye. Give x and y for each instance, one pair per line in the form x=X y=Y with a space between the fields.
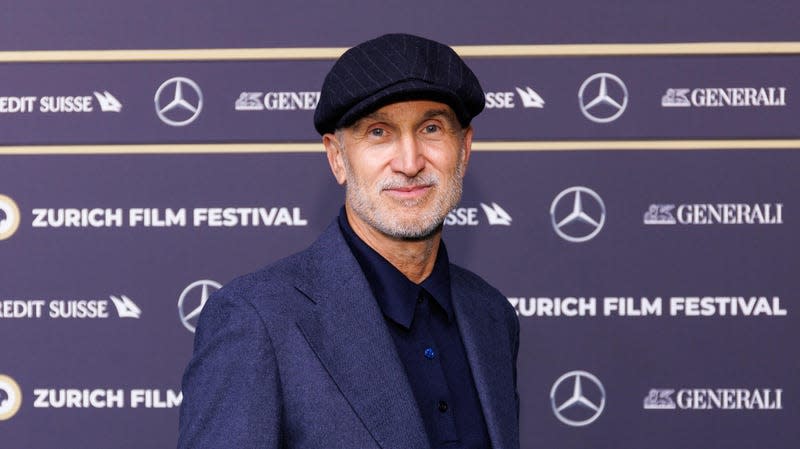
x=432 y=128
x=376 y=132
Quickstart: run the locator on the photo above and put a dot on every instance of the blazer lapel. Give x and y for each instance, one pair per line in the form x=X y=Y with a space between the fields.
x=348 y=334
x=485 y=339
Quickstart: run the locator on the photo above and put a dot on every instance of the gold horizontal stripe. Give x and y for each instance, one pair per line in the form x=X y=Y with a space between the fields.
x=201 y=148
x=210 y=54
x=619 y=145
x=471 y=51
x=233 y=148
x=685 y=48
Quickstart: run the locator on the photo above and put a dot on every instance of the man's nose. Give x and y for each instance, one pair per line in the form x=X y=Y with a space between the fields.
x=410 y=156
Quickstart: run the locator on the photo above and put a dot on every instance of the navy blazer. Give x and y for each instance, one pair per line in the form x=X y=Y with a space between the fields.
x=298 y=355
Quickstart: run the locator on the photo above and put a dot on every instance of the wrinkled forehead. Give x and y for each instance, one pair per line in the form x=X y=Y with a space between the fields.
x=410 y=112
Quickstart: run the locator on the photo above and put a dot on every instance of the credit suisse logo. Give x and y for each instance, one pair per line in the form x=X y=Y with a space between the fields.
x=469 y=216
x=529 y=98
x=60 y=104
x=70 y=308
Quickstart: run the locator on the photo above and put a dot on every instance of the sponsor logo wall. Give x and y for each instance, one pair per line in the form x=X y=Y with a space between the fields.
x=539 y=99
x=655 y=289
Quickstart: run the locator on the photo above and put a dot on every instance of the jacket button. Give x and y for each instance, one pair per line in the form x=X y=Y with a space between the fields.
x=429 y=353
x=442 y=406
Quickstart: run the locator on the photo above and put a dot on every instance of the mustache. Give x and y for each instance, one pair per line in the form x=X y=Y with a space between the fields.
x=427 y=179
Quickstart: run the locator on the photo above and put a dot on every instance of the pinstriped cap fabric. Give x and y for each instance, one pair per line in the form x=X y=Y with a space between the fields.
x=392 y=68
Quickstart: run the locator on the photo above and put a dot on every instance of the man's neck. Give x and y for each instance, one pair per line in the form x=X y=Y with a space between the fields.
x=414 y=258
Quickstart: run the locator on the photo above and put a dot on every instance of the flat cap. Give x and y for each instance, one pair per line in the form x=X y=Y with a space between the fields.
x=392 y=68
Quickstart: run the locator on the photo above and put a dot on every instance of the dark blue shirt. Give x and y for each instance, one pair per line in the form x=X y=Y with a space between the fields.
x=421 y=321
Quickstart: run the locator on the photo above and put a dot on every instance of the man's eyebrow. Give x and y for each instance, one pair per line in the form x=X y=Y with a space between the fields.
x=375 y=115
x=446 y=113
x=372 y=116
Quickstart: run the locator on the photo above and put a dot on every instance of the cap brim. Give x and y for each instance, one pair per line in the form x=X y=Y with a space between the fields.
x=406 y=90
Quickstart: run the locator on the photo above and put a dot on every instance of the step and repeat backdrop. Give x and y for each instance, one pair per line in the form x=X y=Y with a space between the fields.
x=638 y=205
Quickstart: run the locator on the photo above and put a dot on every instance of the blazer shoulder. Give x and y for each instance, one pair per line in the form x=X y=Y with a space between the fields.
x=272 y=281
x=487 y=293
x=325 y=262
x=473 y=281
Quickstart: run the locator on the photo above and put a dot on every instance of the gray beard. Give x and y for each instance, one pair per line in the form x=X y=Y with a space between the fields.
x=426 y=224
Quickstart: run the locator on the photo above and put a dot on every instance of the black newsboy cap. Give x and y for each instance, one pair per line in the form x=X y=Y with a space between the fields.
x=392 y=68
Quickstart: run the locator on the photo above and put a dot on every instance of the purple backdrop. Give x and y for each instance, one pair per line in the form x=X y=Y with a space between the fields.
x=666 y=293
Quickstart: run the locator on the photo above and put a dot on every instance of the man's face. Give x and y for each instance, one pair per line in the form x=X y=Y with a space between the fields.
x=402 y=166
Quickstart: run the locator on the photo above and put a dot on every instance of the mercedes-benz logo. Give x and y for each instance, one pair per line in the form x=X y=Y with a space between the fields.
x=578 y=403
x=176 y=106
x=192 y=300
x=610 y=101
x=582 y=221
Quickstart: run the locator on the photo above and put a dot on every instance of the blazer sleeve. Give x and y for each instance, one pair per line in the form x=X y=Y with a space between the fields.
x=515 y=354
x=231 y=388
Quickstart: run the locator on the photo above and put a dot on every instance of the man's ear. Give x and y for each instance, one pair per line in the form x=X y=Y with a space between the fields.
x=335 y=157
x=467 y=146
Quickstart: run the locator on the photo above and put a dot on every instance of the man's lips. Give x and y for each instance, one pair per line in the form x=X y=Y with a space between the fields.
x=408 y=191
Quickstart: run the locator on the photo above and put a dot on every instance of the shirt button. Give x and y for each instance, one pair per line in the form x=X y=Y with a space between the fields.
x=420 y=298
x=430 y=353
x=442 y=406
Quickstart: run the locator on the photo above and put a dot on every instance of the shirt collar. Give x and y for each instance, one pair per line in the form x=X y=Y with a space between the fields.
x=395 y=293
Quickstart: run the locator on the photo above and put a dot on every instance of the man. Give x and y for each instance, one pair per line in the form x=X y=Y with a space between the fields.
x=370 y=338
